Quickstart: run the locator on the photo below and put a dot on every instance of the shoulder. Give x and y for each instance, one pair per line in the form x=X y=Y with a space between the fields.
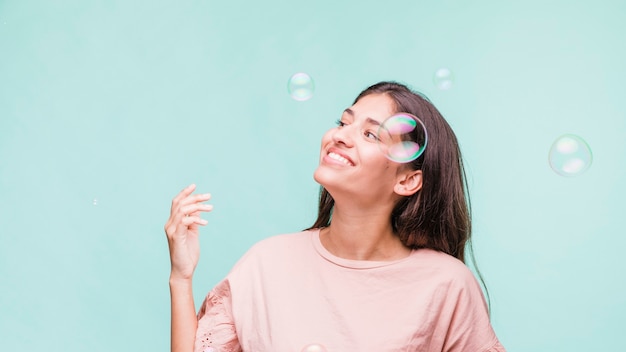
x=455 y=287
x=445 y=268
x=282 y=243
x=439 y=260
x=276 y=249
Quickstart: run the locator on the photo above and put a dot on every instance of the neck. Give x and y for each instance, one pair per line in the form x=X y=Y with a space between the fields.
x=362 y=234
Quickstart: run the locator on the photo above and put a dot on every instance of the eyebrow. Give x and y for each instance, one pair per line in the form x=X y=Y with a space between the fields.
x=369 y=120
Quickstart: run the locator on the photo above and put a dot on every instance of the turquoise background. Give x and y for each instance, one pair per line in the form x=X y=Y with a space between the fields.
x=109 y=108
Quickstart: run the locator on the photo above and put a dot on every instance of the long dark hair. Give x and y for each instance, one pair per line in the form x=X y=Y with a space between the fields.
x=439 y=215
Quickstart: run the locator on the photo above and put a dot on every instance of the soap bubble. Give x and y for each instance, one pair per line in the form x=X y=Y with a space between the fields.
x=443 y=79
x=397 y=137
x=95 y=201
x=314 y=348
x=570 y=155
x=300 y=86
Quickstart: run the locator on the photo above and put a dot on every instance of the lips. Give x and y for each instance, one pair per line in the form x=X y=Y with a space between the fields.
x=337 y=156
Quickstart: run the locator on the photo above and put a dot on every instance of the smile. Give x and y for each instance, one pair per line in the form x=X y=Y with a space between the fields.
x=340 y=158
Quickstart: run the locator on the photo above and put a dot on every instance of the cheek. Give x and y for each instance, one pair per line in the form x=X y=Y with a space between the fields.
x=380 y=162
x=327 y=137
x=376 y=164
x=377 y=156
x=374 y=155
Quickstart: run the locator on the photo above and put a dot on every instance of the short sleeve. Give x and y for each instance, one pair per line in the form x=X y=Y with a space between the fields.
x=216 y=327
x=470 y=327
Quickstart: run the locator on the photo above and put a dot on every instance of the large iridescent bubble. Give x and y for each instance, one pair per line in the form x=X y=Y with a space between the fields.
x=402 y=137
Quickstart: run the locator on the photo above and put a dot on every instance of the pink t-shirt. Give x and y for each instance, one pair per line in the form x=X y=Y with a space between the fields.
x=288 y=292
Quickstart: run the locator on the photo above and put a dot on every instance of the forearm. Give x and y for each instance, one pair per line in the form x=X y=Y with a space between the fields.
x=184 y=321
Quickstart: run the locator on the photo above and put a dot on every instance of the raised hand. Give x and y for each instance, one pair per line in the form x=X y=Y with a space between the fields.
x=182 y=231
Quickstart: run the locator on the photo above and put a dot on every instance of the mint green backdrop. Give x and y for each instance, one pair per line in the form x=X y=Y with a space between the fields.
x=109 y=108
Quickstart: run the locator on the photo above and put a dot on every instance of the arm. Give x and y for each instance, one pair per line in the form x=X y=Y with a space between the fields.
x=184 y=322
x=182 y=236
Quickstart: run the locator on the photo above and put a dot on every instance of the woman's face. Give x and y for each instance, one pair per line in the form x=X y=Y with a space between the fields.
x=351 y=161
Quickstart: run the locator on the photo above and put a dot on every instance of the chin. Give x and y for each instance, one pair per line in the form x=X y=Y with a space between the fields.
x=328 y=180
x=323 y=177
x=317 y=176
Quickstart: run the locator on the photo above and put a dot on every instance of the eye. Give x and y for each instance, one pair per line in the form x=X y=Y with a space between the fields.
x=340 y=123
x=370 y=135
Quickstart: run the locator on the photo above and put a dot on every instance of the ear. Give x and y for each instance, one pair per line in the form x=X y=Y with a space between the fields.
x=408 y=183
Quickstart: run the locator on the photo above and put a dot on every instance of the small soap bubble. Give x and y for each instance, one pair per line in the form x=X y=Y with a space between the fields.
x=443 y=79
x=314 y=348
x=402 y=137
x=570 y=155
x=95 y=201
x=300 y=86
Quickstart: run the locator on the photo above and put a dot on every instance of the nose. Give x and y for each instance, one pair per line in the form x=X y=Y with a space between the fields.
x=343 y=135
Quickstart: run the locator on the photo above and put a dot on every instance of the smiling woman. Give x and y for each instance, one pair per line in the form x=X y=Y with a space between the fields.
x=381 y=269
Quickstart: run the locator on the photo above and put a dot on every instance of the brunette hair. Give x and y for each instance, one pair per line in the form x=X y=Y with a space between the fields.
x=438 y=216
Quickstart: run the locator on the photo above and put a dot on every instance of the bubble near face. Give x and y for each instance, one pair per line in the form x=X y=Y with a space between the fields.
x=314 y=348
x=396 y=137
x=300 y=86
x=570 y=155
x=443 y=79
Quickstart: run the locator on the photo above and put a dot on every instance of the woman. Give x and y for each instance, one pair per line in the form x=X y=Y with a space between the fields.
x=381 y=269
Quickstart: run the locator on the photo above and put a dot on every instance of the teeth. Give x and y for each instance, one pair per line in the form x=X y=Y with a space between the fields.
x=339 y=158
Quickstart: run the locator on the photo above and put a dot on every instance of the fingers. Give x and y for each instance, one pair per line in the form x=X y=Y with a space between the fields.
x=185 y=197
x=179 y=197
x=191 y=205
x=184 y=193
x=193 y=220
x=194 y=209
x=186 y=210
